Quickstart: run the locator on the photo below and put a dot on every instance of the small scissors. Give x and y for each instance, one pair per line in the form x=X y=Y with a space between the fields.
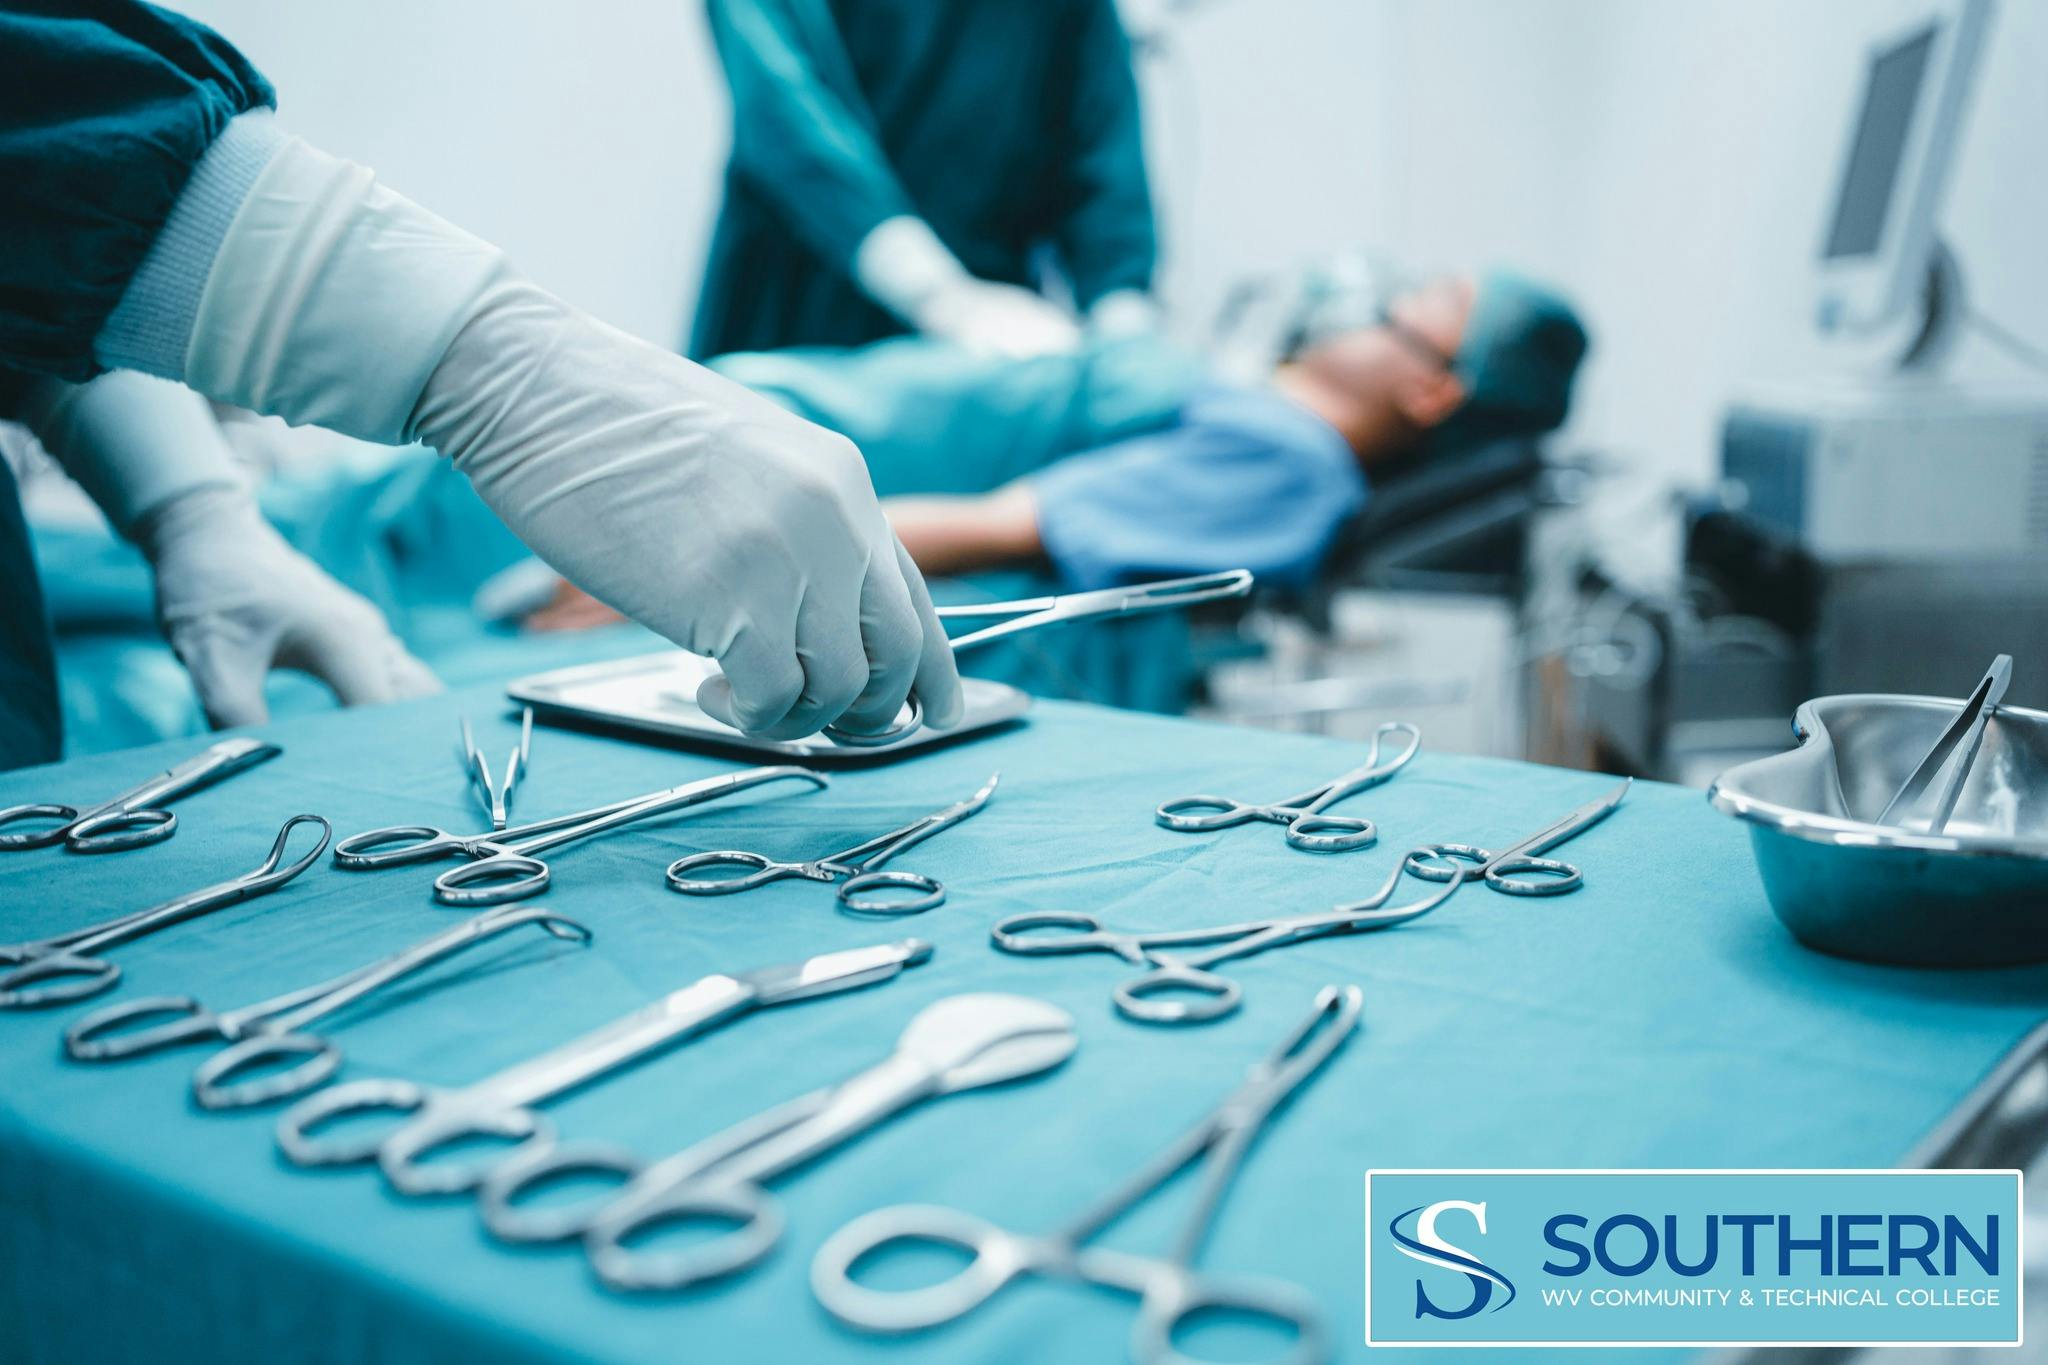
x=856 y=869
x=1307 y=827
x=493 y=795
x=961 y=1043
x=1030 y=613
x=506 y=868
x=1170 y=1291
x=1518 y=871
x=1180 y=989
x=66 y=960
x=267 y=1033
x=504 y=1106
x=131 y=820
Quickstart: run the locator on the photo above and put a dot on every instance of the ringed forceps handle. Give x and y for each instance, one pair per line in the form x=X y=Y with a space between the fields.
x=1516 y=876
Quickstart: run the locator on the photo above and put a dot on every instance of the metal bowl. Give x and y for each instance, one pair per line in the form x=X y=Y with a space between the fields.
x=1975 y=895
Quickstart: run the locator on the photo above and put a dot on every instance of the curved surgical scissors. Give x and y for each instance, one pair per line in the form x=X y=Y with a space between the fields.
x=66 y=961
x=504 y=1106
x=1518 y=870
x=133 y=818
x=856 y=869
x=506 y=868
x=271 y=1031
x=964 y=1042
x=1307 y=827
x=1180 y=988
x=1030 y=613
x=1170 y=1291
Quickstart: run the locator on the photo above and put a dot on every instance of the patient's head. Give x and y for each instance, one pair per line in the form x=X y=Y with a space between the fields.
x=1454 y=359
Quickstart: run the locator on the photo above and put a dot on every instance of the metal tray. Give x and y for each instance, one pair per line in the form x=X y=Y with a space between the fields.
x=1975 y=895
x=656 y=695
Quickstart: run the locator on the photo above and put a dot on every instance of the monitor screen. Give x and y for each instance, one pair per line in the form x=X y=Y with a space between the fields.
x=1893 y=89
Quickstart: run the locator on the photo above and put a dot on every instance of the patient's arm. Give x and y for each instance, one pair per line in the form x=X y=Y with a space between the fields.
x=950 y=535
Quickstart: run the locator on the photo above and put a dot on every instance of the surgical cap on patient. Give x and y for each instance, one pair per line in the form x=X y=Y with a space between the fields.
x=1521 y=350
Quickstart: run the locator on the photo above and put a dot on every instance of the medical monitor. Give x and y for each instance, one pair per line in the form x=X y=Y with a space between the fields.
x=1881 y=234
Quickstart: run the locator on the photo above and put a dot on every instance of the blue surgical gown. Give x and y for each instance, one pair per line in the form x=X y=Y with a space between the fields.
x=1007 y=125
x=105 y=108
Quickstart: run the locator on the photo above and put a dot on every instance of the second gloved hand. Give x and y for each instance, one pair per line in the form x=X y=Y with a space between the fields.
x=234 y=599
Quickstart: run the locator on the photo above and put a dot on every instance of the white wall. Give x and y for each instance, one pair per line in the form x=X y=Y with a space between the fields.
x=1666 y=162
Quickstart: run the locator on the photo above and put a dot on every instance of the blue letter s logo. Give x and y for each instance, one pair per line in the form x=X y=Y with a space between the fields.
x=1430 y=1248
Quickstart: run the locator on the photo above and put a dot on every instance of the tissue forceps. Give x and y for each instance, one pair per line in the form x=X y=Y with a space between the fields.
x=1030 y=613
x=856 y=869
x=1518 y=870
x=272 y=1031
x=66 y=961
x=1965 y=734
x=133 y=818
x=504 y=1105
x=1307 y=827
x=1162 y=994
x=961 y=1043
x=505 y=868
x=493 y=795
x=1170 y=1290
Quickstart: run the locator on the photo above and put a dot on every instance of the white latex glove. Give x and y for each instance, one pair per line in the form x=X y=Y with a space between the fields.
x=235 y=600
x=699 y=508
x=1123 y=313
x=903 y=265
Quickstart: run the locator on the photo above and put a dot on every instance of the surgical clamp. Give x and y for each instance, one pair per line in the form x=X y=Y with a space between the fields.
x=1180 y=988
x=505 y=868
x=66 y=962
x=493 y=795
x=856 y=869
x=272 y=1031
x=1307 y=827
x=1170 y=1291
x=503 y=1105
x=133 y=818
x=961 y=1043
x=1518 y=870
x=1032 y=612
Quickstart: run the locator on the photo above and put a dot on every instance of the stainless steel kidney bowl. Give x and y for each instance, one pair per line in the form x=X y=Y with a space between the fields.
x=1974 y=895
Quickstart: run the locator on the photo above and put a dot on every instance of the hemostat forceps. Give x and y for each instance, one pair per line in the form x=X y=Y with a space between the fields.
x=505 y=868
x=1518 y=870
x=1032 y=612
x=271 y=1031
x=66 y=963
x=503 y=1106
x=961 y=1043
x=133 y=818
x=1170 y=1290
x=1307 y=827
x=1179 y=988
x=856 y=869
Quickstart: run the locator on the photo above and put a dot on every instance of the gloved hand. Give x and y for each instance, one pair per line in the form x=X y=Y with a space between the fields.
x=701 y=509
x=235 y=600
x=1123 y=313
x=903 y=265
x=232 y=598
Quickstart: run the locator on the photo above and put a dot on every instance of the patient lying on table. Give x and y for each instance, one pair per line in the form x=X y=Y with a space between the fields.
x=1128 y=460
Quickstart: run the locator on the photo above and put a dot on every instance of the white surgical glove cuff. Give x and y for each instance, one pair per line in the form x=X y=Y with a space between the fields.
x=1123 y=313
x=332 y=299
x=131 y=441
x=903 y=266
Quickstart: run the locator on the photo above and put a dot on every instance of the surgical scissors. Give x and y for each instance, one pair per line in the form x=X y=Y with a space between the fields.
x=1030 y=613
x=1307 y=827
x=133 y=818
x=856 y=869
x=271 y=1031
x=1170 y=1291
x=505 y=868
x=961 y=1043
x=504 y=1105
x=66 y=962
x=493 y=795
x=1180 y=989
x=1518 y=870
